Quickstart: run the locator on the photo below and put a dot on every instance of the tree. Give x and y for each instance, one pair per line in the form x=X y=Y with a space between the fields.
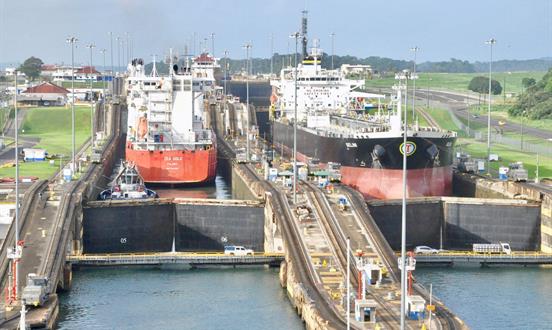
x=31 y=67
x=528 y=82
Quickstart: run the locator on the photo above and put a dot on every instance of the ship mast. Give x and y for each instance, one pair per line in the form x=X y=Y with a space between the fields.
x=304 y=32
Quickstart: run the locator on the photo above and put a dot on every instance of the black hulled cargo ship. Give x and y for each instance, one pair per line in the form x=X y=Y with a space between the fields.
x=337 y=123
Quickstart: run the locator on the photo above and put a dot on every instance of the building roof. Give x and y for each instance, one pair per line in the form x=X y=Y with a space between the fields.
x=87 y=69
x=48 y=67
x=204 y=57
x=46 y=88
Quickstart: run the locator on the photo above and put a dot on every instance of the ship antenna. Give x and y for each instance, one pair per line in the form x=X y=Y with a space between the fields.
x=154 y=68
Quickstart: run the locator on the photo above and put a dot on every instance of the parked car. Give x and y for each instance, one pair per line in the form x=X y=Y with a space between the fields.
x=422 y=249
x=236 y=250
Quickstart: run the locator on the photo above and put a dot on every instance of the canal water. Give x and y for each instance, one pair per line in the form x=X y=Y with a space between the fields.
x=149 y=298
x=494 y=297
x=130 y=298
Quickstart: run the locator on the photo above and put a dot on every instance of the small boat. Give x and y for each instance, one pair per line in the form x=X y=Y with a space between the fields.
x=128 y=184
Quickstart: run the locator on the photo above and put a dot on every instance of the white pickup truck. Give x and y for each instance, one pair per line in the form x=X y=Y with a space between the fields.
x=236 y=250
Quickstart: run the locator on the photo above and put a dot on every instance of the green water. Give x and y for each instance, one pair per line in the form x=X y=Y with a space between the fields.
x=496 y=297
x=132 y=298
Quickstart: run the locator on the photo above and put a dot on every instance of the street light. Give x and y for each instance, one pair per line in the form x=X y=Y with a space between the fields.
x=213 y=44
x=403 y=85
x=271 y=54
x=523 y=113
x=91 y=46
x=414 y=49
x=332 y=35
x=16 y=124
x=247 y=47
x=72 y=41
x=118 y=39
x=489 y=42
x=111 y=55
x=295 y=35
x=103 y=51
x=225 y=70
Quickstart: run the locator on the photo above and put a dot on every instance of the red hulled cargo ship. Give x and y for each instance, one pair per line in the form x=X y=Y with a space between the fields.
x=167 y=138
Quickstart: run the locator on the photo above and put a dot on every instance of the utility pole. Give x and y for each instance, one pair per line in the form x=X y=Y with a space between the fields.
x=295 y=35
x=103 y=51
x=91 y=46
x=225 y=69
x=112 y=70
x=414 y=49
x=16 y=245
x=489 y=42
x=332 y=35
x=247 y=47
x=213 y=44
x=403 y=77
x=72 y=41
x=271 y=54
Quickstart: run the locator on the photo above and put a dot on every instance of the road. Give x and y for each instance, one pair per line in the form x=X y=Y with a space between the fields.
x=7 y=154
x=457 y=103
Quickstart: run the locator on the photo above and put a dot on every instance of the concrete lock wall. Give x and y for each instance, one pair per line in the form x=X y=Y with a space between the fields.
x=126 y=229
x=424 y=222
x=210 y=227
x=457 y=223
x=468 y=223
x=141 y=227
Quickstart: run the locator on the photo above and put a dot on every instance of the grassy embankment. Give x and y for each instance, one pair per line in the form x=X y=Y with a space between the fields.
x=459 y=82
x=52 y=125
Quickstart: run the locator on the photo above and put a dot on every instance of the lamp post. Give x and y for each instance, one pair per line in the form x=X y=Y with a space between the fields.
x=271 y=54
x=103 y=51
x=489 y=42
x=225 y=70
x=91 y=46
x=213 y=44
x=403 y=78
x=295 y=35
x=332 y=35
x=16 y=124
x=247 y=47
x=72 y=41
x=118 y=39
x=523 y=113
x=414 y=49
x=111 y=55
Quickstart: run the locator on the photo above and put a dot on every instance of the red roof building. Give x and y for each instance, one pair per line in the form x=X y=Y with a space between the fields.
x=46 y=88
x=87 y=70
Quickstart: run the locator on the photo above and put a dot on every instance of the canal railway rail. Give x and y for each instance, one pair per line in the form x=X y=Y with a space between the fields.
x=387 y=314
x=49 y=230
x=447 y=319
x=299 y=257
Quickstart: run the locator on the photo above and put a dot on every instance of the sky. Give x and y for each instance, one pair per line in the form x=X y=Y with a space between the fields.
x=442 y=29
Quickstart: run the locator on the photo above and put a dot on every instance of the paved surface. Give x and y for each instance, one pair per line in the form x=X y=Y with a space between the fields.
x=37 y=234
x=7 y=155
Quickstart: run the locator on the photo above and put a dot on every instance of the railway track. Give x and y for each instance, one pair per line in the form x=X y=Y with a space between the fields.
x=339 y=242
x=447 y=319
x=300 y=257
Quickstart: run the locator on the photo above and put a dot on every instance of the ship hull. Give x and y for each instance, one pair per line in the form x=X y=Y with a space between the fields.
x=428 y=174
x=174 y=166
